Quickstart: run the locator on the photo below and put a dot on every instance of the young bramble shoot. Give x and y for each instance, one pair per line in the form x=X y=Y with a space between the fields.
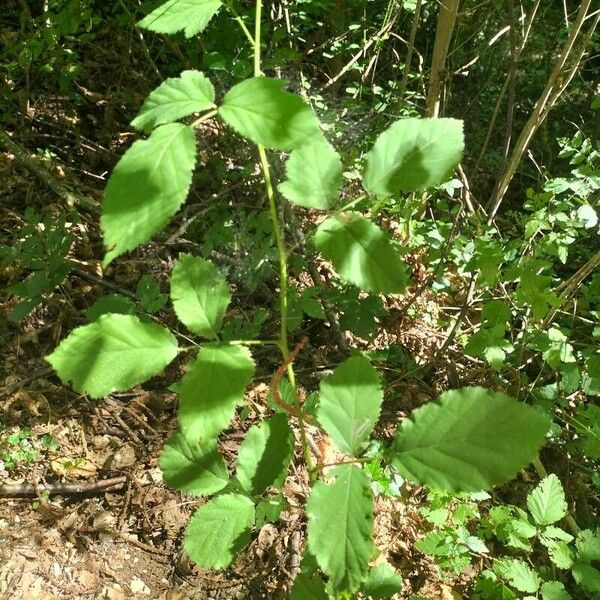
x=467 y=440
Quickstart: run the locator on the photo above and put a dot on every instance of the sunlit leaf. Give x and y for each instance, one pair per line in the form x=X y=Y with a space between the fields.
x=413 y=154
x=362 y=253
x=175 y=98
x=200 y=295
x=147 y=187
x=262 y=112
x=190 y=16
x=470 y=439
x=112 y=354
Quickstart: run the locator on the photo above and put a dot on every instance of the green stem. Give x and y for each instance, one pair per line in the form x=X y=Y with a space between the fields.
x=241 y=23
x=204 y=117
x=278 y=231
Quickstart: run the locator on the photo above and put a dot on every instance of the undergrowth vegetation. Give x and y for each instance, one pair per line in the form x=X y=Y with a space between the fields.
x=341 y=213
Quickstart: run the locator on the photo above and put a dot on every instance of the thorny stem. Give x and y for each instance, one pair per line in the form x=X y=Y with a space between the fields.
x=278 y=231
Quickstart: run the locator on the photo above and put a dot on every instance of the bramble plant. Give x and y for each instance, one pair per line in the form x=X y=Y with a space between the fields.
x=468 y=440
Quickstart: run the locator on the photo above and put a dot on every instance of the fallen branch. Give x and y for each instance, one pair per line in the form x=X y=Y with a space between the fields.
x=36 y=168
x=33 y=490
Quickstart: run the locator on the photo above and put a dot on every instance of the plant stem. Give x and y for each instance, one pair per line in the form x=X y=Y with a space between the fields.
x=204 y=117
x=241 y=23
x=278 y=231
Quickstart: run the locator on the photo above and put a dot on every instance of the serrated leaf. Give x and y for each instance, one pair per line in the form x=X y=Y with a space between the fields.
x=268 y=511
x=470 y=439
x=586 y=576
x=262 y=112
x=556 y=533
x=519 y=574
x=362 y=253
x=112 y=354
x=340 y=526
x=588 y=545
x=314 y=176
x=218 y=530
x=200 y=295
x=191 y=467
x=413 y=154
x=560 y=554
x=382 y=582
x=265 y=454
x=554 y=590
x=147 y=187
x=175 y=98
x=349 y=404
x=308 y=587
x=212 y=388
x=190 y=16
x=110 y=303
x=546 y=502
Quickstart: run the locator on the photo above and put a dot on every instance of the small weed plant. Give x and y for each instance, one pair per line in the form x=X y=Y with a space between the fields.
x=468 y=440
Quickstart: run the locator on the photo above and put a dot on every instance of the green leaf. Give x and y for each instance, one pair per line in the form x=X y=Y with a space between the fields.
x=265 y=454
x=191 y=16
x=519 y=574
x=268 y=511
x=470 y=439
x=413 y=154
x=212 y=388
x=175 y=98
x=349 y=404
x=362 y=253
x=546 y=502
x=113 y=354
x=554 y=590
x=190 y=467
x=147 y=187
x=314 y=176
x=110 y=303
x=219 y=530
x=560 y=554
x=586 y=576
x=262 y=112
x=149 y=295
x=382 y=582
x=340 y=526
x=588 y=545
x=200 y=295
x=308 y=587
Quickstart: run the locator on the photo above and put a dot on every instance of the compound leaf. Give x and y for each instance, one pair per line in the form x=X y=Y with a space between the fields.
x=191 y=467
x=175 y=98
x=546 y=502
x=265 y=454
x=218 y=530
x=314 y=176
x=212 y=388
x=147 y=187
x=413 y=154
x=361 y=253
x=349 y=404
x=340 y=526
x=191 y=16
x=112 y=354
x=200 y=295
x=470 y=439
x=262 y=112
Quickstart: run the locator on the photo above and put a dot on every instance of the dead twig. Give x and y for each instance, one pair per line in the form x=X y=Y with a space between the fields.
x=32 y=490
